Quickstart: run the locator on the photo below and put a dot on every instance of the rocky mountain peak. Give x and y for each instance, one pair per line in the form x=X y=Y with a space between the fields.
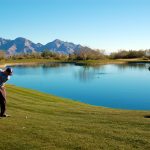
x=23 y=45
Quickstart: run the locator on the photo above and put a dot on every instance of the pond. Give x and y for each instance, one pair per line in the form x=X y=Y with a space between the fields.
x=123 y=86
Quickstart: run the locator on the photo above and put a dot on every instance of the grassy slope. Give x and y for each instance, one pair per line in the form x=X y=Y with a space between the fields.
x=45 y=122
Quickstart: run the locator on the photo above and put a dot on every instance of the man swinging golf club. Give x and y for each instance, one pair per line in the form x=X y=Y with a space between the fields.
x=4 y=76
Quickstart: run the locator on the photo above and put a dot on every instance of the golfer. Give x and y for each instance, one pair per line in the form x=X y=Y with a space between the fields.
x=4 y=76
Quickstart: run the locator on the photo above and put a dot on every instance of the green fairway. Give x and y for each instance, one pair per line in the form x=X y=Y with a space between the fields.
x=44 y=122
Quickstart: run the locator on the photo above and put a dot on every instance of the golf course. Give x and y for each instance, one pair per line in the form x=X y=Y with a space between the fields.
x=75 y=75
x=41 y=121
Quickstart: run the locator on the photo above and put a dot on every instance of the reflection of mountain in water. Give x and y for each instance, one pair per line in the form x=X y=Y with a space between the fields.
x=31 y=69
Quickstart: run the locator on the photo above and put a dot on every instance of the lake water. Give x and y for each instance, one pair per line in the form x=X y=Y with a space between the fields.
x=115 y=86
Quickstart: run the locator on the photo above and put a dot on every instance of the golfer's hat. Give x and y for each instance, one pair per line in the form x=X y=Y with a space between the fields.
x=9 y=70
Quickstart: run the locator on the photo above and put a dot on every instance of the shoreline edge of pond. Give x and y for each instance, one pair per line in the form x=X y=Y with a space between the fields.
x=86 y=62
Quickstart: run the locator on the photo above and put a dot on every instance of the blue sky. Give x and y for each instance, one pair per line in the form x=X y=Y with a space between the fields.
x=102 y=24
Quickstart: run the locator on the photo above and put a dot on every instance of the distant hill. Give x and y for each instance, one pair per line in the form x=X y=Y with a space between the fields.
x=22 y=45
x=61 y=46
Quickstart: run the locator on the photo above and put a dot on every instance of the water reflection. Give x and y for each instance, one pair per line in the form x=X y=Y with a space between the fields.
x=44 y=65
x=88 y=73
x=111 y=85
x=54 y=65
x=83 y=73
x=33 y=69
x=140 y=66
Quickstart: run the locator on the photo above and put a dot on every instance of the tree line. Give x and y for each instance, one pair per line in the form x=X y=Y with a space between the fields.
x=84 y=53
x=124 y=54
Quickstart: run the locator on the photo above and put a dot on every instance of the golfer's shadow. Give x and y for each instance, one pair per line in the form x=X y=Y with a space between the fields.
x=147 y=116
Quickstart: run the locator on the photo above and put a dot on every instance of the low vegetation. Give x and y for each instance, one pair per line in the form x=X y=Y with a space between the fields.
x=83 y=54
x=42 y=121
x=123 y=54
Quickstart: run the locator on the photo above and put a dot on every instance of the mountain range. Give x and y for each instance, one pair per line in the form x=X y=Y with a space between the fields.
x=23 y=45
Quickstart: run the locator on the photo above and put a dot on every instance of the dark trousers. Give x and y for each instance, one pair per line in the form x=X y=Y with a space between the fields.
x=2 y=101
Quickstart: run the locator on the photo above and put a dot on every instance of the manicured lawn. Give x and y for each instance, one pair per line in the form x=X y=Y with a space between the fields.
x=44 y=122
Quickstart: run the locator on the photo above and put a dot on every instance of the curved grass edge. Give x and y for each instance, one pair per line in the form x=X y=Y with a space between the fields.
x=43 y=121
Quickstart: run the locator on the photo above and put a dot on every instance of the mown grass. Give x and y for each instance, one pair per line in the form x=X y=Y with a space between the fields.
x=44 y=122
